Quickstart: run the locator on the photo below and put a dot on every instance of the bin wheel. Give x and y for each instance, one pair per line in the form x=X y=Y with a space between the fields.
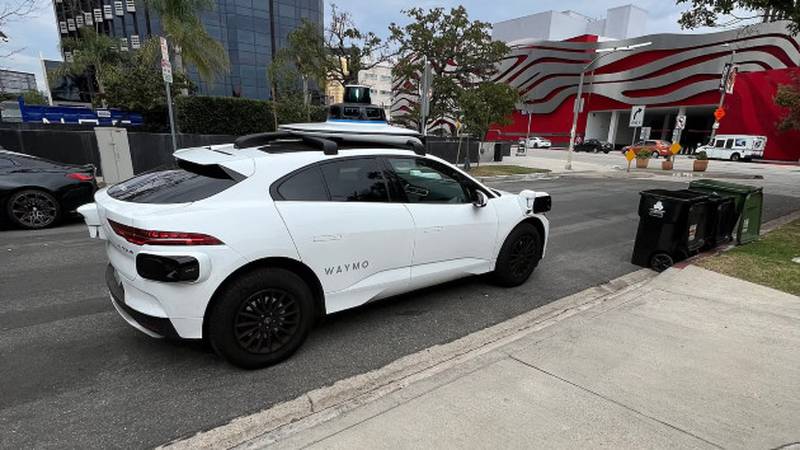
x=661 y=262
x=735 y=157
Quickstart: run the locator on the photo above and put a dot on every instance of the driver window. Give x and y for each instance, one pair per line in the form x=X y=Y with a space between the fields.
x=424 y=182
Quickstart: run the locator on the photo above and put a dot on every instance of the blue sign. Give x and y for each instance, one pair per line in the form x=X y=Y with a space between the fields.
x=77 y=115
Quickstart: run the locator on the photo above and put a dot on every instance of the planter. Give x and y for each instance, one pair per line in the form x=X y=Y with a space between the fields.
x=666 y=165
x=642 y=163
x=700 y=165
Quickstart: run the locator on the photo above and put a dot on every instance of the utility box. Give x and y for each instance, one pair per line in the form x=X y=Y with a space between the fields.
x=749 y=205
x=115 y=154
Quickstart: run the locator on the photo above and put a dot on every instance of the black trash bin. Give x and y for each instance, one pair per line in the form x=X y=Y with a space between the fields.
x=672 y=227
x=721 y=220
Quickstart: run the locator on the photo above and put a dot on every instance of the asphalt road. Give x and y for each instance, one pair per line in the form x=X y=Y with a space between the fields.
x=74 y=375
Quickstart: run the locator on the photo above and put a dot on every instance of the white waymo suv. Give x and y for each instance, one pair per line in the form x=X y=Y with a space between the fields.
x=248 y=244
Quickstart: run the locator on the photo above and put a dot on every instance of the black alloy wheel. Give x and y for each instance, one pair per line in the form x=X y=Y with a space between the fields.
x=260 y=317
x=519 y=256
x=266 y=321
x=33 y=209
x=661 y=262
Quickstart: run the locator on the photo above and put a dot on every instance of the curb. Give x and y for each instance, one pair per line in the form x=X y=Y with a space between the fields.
x=324 y=404
x=526 y=177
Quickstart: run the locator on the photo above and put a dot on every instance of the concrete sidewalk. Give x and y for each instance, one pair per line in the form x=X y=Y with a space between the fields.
x=690 y=359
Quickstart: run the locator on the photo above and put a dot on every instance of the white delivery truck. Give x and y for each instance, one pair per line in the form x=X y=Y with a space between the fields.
x=735 y=147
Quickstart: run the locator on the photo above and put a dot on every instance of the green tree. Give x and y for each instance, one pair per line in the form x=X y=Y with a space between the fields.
x=29 y=97
x=305 y=58
x=707 y=13
x=461 y=52
x=788 y=96
x=349 y=50
x=180 y=21
x=93 y=54
x=136 y=84
x=485 y=104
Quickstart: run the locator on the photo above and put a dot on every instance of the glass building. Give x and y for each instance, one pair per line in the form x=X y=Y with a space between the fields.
x=248 y=29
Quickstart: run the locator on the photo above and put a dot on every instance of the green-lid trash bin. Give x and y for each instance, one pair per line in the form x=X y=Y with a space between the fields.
x=749 y=205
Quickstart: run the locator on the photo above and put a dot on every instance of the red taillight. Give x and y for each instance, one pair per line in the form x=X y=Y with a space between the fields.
x=139 y=236
x=80 y=176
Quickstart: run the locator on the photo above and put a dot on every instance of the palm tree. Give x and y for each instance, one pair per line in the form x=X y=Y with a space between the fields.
x=181 y=24
x=92 y=54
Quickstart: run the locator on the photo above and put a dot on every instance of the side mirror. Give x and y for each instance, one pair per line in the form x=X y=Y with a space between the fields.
x=480 y=200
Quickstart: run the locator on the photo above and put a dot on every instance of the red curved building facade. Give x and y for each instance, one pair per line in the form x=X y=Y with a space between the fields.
x=672 y=74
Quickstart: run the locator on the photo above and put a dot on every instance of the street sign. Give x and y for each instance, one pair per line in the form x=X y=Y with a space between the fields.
x=731 y=80
x=166 y=71
x=637 y=116
x=719 y=114
x=644 y=134
x=715 y=126
x=680 y=122
x=675 y=148
x=630 y=155
x=164 y=49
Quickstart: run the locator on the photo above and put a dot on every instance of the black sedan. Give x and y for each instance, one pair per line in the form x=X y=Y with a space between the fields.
x=594 y=145
x=37 y=193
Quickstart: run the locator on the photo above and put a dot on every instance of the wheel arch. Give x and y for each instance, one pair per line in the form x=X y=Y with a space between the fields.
x=292 y=265
x=536 y=222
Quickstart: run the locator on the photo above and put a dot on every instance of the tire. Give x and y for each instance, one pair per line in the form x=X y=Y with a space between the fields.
x=735 y=157
x=33 y=209
x=661 y=262
x=256 y=308
x=519 y=256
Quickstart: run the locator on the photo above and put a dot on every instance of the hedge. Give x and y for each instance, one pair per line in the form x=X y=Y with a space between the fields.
x=223 y=115
x=237 y=116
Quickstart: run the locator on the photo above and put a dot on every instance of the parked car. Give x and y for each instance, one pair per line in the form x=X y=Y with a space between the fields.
x=37 y=193
x=736 y=147
x=536 y=142
x=594 y=145
x=247 y=244
x=655 y=147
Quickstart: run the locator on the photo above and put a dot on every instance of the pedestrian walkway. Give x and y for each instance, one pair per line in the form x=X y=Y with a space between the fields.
x=691 y=359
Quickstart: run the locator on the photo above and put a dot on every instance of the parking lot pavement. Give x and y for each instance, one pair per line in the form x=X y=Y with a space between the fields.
x=75 y=375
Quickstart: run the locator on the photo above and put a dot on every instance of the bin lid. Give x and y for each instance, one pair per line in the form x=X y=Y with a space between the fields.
x=723 y=186
x=681 y=195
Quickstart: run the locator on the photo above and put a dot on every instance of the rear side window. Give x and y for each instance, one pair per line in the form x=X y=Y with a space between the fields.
x=188 y=183
x=355 y=180
x=729 y=143
x=306 y=185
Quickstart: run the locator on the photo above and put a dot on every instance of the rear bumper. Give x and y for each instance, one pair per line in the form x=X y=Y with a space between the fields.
x=158 y=327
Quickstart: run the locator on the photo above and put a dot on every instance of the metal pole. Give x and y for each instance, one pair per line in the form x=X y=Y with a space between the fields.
x=576 y=108
x=722 y=96
x=171 y=118
x=528 y=133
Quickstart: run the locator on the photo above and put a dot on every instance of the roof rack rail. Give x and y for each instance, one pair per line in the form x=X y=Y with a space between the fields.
x=259 y=139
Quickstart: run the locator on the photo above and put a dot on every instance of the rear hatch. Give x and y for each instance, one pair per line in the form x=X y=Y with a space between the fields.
x=119 y=209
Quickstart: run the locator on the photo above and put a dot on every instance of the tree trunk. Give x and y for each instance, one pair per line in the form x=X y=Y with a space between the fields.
x=274 y=108
x=101 y=90
x=306 y=98
x=179 y=68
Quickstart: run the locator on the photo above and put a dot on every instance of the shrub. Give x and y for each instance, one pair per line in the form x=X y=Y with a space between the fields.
x=701 y=155
x=238 y=116
x=223 y=115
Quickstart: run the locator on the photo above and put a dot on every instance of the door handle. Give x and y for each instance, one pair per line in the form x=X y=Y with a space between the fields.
x=435 y=229
x=327 y=237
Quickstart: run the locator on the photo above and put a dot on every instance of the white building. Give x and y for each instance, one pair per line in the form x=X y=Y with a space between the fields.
x=622 y=22
x=14 y=82
x=379 y=79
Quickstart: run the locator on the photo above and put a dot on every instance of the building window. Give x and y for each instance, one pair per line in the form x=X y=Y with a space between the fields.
x=79 y=21
x=98 y=15
x=87 y=18
x=107 y=12
x=71 y=24
x=123 y=44
x=118 y=8
x=130 y=5
x=135 y=42
x=62 y=26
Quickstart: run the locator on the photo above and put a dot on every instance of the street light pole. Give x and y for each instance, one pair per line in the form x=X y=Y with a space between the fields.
x=578 y=103
x=724 y=91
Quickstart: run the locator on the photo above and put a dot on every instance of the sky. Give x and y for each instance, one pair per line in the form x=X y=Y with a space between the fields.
x=39 y=34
